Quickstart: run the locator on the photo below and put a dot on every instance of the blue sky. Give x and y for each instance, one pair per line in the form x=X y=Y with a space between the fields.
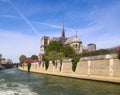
x=23 y=22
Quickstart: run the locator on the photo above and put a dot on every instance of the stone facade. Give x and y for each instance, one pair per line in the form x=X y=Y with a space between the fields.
x=44 y=42
x=116 y=68
x=75 y=43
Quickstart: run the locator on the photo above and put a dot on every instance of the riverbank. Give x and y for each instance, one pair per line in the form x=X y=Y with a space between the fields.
x=101 y=68
x=85 y=77
x=1 y=67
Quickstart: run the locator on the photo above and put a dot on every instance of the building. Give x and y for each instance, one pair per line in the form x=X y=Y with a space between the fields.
x=73 y=41
x=91 y=47
x=44 y=42
x=2 y=60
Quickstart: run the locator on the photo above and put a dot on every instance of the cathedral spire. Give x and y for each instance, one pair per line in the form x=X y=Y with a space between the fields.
x=63 y=31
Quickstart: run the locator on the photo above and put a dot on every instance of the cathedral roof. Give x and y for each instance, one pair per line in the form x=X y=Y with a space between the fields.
x=55 y=39
x=73 y=39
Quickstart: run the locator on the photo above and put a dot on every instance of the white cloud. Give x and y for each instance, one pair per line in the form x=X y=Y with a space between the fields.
x=8 y=16
x=54 y=26
x=49 y=25
x=15 y=44
x=27 y=21
x=69 y=31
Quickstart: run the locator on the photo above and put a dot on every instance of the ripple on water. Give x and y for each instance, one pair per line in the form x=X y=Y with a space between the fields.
x=15 y=89
x=1 y=80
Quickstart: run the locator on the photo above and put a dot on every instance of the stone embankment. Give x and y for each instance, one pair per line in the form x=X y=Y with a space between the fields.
x=101 y=68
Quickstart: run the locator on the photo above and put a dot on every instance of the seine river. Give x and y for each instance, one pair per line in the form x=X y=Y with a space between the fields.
x=16 y=82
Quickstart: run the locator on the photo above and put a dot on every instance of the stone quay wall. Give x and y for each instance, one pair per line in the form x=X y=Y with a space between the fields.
x=101 y=68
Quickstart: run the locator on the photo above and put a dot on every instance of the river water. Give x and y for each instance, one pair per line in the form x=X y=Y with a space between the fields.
x=16 y=82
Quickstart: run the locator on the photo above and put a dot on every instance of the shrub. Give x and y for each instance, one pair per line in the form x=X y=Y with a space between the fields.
x=118 y=56
x=74 y=61
x=46 y=64
x=97 y=52
x=29 y=66
x=118 y=52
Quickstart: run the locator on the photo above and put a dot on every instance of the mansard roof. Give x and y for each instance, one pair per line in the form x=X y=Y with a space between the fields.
x=73 y=39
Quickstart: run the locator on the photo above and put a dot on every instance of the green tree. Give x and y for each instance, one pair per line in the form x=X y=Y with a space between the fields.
x=53 y=51
x=0 y=58
x=22 y=59
x=33 y=57
x=53 y=46
x=57 y=51
x=68 y=50
x=53 y=55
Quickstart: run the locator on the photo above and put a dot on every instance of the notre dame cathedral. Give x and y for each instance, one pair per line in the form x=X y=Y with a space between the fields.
x=72 y=41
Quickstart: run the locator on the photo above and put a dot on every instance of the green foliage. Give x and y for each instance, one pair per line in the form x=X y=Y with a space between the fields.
x=57 y=51
x=68 y=50
x=97 y=52
x=74 y=61
x=53 y=51
x=53 y=55
x=22 y=59
x=53 y=46
x=29 y=66
x=118 y=56
x=46 y=64
x=33 y=57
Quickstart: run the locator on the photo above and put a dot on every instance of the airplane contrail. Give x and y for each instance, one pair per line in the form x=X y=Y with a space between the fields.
x=54 y=26
x=24 y=18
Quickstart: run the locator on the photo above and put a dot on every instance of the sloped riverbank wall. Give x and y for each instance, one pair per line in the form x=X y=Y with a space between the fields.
x=102 y=68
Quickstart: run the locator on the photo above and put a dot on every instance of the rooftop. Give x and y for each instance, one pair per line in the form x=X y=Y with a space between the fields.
x=73 y=40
